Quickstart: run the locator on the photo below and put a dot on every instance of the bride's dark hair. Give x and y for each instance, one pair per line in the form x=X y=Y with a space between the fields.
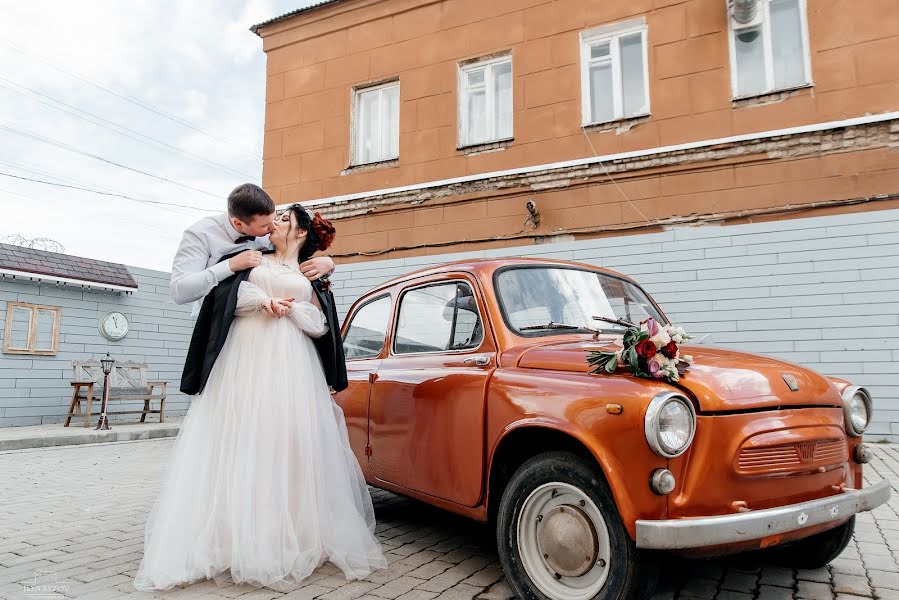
x=320 y=231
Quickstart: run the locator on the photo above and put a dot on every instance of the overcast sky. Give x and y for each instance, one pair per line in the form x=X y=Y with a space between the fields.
x=178 y=90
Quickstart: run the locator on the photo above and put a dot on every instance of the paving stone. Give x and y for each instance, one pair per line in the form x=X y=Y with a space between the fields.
x=848 y=566
x=397 y=587
x=813 y=590
x=884 y=579
x=770 y=592
x=851 y=584
x=461 y=591
x=499 y=591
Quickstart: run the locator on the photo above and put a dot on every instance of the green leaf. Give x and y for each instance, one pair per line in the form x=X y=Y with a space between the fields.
x=612 y=364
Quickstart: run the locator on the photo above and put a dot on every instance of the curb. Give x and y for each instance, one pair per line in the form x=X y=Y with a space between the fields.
x=93 y=437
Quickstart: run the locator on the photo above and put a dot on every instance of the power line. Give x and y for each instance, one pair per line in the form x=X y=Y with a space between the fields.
x=113 y=126
x=134 y=101
x=29 y=168
x=65 y=146
x=95 y=191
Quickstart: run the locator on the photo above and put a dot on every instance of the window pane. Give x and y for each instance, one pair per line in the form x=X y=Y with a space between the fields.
x=633 y=88
x=602 y=107
x=365 y=335
x=367 y=139
x=477 y=117
x=468 y=330
x=18 y=332
x=750 y=54
x=786 y=44
x=599 y=50
x=392 y=131
x=502 y=81
x=426 y=319
x=43 y=337
x=476 y=78
x=535 y=296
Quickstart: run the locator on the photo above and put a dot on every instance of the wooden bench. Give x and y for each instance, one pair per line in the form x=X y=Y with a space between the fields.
x=127 y=381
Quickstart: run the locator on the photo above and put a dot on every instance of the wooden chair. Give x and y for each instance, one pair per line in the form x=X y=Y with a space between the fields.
x=127 y=381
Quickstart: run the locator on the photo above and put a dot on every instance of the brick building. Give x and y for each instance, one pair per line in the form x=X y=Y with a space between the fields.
x=739 y=158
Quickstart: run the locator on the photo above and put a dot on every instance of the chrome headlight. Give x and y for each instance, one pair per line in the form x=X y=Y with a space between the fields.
x=670 y=424
x=857 y=410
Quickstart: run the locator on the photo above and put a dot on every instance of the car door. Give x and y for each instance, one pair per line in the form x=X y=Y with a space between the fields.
x=363 y=344
x=427 y=406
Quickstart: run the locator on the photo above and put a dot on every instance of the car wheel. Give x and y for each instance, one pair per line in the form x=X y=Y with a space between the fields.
x=815 y=551
x=560 y=537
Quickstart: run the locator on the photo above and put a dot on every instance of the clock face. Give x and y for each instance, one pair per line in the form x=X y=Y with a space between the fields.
x=114 y=326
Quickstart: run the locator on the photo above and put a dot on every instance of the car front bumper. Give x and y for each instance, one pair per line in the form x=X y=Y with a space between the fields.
x=699 y=532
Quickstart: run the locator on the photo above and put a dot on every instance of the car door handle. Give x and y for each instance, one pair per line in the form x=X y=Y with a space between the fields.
x=481 y=361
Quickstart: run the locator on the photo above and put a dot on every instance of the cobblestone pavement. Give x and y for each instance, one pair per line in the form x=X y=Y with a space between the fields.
x=72 y=518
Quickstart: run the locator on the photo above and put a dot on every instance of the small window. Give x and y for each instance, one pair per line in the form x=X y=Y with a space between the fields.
x=614 y=73
x=770 y=52
x=485 y=101
x=376 y=125
x=31 y=329
x=438 y=318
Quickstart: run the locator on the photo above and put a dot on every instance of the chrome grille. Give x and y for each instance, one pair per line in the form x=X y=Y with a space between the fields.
x=792 y=457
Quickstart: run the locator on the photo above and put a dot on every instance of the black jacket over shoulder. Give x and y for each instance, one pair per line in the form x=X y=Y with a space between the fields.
x=214 y=323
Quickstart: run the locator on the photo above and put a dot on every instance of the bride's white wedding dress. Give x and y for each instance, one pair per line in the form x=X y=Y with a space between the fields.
x=262 y=486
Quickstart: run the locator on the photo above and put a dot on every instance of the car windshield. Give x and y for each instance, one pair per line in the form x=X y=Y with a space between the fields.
x=566 y=300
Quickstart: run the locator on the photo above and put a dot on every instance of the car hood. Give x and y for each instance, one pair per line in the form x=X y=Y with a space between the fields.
x=721 y=380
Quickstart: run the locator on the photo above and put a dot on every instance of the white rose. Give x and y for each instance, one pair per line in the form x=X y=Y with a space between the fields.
x=661 y=339
x=677 y=334
x=688 y=358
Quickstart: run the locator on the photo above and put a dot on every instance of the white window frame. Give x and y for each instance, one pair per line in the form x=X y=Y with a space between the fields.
x=612 y=34
x=764 y=8
x=462 y=85
x=356 y=125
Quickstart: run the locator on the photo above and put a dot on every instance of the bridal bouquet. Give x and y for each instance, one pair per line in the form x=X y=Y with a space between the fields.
x=649 y=350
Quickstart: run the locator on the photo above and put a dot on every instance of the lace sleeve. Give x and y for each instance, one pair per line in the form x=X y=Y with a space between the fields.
x=309 y=318
x=250 y=299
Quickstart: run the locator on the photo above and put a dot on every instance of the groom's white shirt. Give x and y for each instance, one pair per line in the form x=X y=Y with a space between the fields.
x=196 y=268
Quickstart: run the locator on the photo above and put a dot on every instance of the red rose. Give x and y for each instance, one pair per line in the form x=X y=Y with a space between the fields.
x=646 y=349
x=669 y=350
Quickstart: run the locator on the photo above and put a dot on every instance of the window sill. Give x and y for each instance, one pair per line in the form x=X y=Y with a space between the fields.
x=381 y=164
x=492 y=146
x=620 y=125
x=771 y=97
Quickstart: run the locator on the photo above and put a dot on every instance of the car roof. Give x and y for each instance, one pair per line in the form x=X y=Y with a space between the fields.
x=484 y=267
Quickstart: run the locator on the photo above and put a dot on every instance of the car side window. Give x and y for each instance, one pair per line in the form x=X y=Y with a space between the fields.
x=365 y=335
x=438 y=318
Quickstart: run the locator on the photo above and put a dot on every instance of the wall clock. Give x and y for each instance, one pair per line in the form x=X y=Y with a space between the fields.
x=114 y=326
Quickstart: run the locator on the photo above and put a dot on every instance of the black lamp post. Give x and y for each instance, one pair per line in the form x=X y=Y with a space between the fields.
x=106 y=363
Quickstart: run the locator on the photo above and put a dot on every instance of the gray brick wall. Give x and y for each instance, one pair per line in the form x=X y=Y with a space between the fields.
x=35 y=389
x=822 y=292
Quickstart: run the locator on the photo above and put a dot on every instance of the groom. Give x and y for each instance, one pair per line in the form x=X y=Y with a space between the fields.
x=244 y=230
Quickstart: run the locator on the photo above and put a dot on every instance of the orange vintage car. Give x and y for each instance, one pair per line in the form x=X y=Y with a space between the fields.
x=469 y=389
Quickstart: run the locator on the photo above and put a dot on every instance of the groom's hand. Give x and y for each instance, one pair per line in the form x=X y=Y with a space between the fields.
x=245 y=260
x=317 y=267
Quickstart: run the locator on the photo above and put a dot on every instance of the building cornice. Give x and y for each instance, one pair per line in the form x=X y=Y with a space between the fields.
x=827 y=137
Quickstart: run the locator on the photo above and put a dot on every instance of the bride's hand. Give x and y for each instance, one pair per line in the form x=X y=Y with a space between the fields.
x=278 y=307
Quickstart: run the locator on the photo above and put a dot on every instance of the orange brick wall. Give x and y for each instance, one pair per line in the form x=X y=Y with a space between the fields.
x=314 y=59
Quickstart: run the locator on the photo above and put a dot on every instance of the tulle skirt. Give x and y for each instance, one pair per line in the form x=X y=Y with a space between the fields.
x=262 y=486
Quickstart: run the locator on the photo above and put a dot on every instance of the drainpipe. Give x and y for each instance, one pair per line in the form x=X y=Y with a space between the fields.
x=744 y=11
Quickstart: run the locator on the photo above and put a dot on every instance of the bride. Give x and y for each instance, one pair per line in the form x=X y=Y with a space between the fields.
x=262 y=486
